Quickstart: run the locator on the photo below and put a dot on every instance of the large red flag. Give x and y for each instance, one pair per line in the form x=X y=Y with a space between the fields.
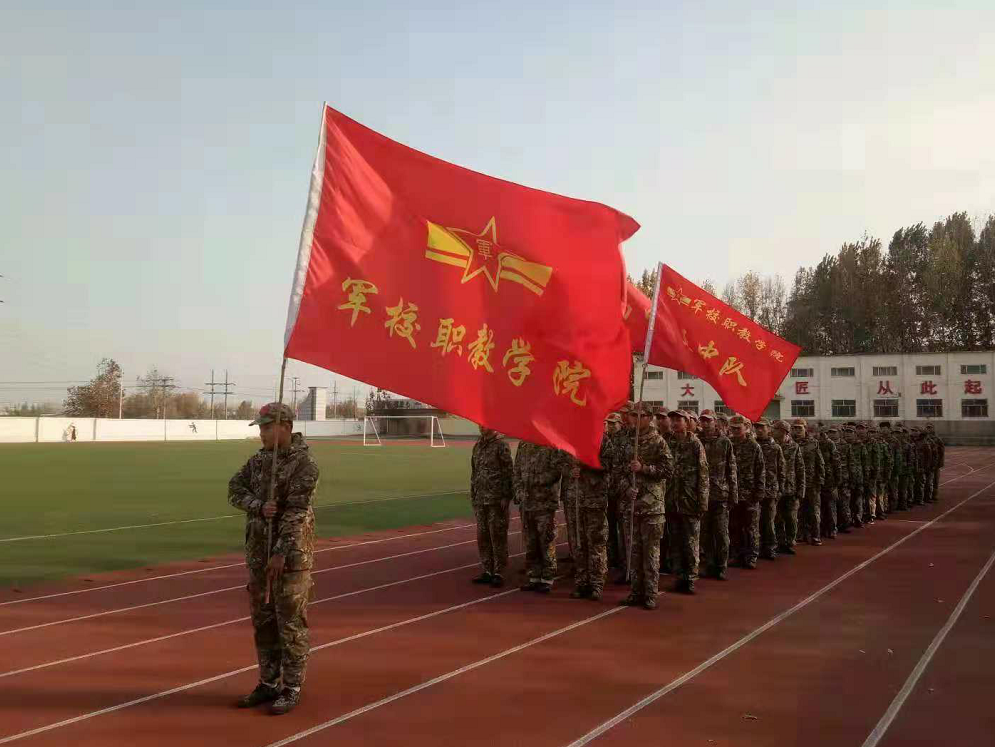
x=480 y=297
x=697 y=333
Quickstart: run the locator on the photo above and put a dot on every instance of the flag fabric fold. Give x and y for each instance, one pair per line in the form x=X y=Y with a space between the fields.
x=480 y=297
x=697 y=333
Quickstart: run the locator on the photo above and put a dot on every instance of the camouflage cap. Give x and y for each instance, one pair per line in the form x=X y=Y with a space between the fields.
x=722 y=417
x=627 y=407
x=268 y=414
x=782 y=425
x=930 y=427
x=646 y=408
x=885 y=424
x=706 y=415
x=762 y=421
x=613 y=418
x=737 y=420
x=799 y=422
x=848 y=429
x=833 y=429
x=860 y=427
x=678 y=414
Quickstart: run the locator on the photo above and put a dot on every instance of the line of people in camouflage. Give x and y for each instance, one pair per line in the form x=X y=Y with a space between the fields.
x=679 y=491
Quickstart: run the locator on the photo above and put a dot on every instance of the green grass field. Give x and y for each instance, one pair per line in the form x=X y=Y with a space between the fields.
x=58 y=488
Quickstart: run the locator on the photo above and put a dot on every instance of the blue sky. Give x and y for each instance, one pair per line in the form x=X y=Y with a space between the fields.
x=155 y=159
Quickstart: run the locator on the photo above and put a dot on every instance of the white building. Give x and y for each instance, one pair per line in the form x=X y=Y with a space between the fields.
x=312 y=407
x=934 y=386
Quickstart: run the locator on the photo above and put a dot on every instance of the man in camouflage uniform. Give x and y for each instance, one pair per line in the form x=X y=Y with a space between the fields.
x=871 y=468
x=686 y=502
x=907 y=478
x=840 y=437
x=591 y=485
x=662 y=422
x=539 y=473
x=924 y=458
x=723 y=488
x=939 y=460
x=722 y=422
x=815 y=476
x=614 y=427
x=834 y=478
x=932 y=467
x=886 y=465
x=894 y=477
x=279 y=577
x=652 y=465
x=621 y=481
x=491 y=492
x=776 y=468
x=859 y=453
x=744 y=522
x=786 y=519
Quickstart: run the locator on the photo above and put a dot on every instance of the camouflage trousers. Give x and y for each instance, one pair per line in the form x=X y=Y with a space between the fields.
x=568 y=500
x=810 y=515
x=893 y=503
x=786 y=521
x=280 y=627
x=492 y=537
x=857 y=505
x=936 y=484
x=684 y=532
x=744 y=532
x=919 y=489
x=714 y=533
x=615 y=559
x=828 y=516
x=903 y=491
x=870 y=501
x=591 y=555
x=930 y=482
x=882 y=491
x=768 y=534
x=843 y=508
x=540 y=546
x=646 y=534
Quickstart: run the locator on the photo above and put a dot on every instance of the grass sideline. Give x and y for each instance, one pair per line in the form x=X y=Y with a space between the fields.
x=56 y=488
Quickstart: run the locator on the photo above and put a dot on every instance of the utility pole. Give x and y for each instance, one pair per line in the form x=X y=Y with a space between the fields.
x=335 y=397
x=296 y=380
x=355 y=403
x=227 y=384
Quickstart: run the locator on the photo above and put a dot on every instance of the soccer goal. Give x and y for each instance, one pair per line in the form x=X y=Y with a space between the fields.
x=380 y=428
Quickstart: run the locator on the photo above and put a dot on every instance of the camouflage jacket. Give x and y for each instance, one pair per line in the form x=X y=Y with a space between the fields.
x=539 y=471
x=897 y=456
x=293 y=525
x=794 y=473
x=852 y=467
x=591 y=487
x=886 y=460
x=621 y=477
x=750 y=470
x=924 y=456
x=909 y=455
x=870 y=460
x=723 y=484
x=775 y=466
x=491 y=471
x=688 y=489
x=651 y=482
x=815 y=465
x=834 y=465
x=940 y=450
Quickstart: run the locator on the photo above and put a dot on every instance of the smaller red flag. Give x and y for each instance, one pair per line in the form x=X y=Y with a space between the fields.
x=697 y=333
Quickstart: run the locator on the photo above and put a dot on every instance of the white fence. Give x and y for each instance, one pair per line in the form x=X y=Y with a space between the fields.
x=54 y=430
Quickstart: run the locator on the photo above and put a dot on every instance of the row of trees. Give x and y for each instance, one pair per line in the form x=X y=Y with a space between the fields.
x=932 y=289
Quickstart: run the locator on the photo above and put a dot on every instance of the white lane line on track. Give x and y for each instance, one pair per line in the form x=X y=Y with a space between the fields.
x=234 y=672
x=237 y=620
x=889 y=715
x=222 y=516
x=443 y=677
x=656 y=695
x=234 y=565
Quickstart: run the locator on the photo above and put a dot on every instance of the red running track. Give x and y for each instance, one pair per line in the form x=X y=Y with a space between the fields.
x=806 y=650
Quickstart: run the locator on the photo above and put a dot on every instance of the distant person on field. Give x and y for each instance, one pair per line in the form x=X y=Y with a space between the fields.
x=281 y=629
x=491 y=492
x=72 y=431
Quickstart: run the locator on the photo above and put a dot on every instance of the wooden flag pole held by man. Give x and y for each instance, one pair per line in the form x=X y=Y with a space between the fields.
x=272 y=485
x=639 y=413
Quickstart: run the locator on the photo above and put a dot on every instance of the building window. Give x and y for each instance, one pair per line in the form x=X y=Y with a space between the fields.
x=683 y=375
x=847 y=371
x=927 y=370
x=803 y=408
x=978 y=369
x=885 y=371
x=722 y=409
x=886 y=408
x=845 y=408
x=929 y=408
x=654 y=374
x=974 y=408
x=654 y=403
x=691 y=405
x=802 y=373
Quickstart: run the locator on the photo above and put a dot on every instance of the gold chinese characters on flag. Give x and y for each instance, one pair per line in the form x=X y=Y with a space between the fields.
x=697 y=333
x=480 y=297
